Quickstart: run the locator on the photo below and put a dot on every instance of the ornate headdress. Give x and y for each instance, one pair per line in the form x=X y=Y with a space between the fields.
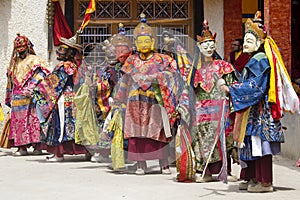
x=106 y=45
x=143 y=29
x=21 y=43
x=256 y=27
x=121 y=29
x=120 y=39
x=72 y=42
x=167 y=33
x=206 y=34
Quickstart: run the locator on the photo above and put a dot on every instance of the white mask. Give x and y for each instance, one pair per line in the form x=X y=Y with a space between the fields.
x=207 y=48
x=251 y=44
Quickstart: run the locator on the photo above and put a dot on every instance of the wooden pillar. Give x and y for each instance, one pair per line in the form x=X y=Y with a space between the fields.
x=232 y=24
x=277 y=18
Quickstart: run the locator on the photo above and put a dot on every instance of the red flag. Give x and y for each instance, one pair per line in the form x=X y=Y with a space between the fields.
x=90 y=9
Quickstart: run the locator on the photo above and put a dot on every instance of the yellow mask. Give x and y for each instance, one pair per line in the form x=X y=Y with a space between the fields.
x=144 y=44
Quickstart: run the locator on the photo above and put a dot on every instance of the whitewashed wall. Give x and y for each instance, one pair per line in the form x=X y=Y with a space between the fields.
x=291 y=147
x=214 y=13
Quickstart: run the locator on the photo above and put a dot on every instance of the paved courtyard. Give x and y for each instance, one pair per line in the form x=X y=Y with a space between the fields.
x=32 y=178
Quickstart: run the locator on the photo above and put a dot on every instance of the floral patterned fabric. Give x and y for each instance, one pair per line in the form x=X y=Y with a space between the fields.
x=251 y=91
x=135 y=91
x=205 y=76
x=59 y=83
x=23 y=77
x=108 y=78
x=209 y=109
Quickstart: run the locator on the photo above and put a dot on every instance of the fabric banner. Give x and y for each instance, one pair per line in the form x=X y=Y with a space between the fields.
x=60 y=27
x=86 y=130
x=222 y=176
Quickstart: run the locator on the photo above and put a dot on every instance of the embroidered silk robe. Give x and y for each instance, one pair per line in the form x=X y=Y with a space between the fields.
x=23 y=77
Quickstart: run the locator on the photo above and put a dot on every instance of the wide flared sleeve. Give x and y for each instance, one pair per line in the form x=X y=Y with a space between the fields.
x=254 y=84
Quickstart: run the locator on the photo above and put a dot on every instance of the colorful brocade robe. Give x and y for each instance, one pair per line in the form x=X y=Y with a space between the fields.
x=147 y=87
x=251 y=92
x=182 y=57
x=107 y=79
x=54 y=98
x=21 y=78
x=184 y=61
x=208 y=105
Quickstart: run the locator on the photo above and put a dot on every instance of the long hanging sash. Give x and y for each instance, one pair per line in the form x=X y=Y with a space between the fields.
x=117 y=145
x=185 y=156
x=4 y=142
x=220 y=135
x=240 y=124
x=61 y=111
x=290 y=101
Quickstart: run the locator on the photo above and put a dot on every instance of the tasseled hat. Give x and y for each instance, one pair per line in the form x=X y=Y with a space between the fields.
x=206 y=34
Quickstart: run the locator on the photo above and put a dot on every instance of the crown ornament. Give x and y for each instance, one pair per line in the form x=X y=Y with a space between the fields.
x=143 y=29
x=106 y=45
x=120 y=39
x=256 y=27
x=206 y=34
x=121 y=29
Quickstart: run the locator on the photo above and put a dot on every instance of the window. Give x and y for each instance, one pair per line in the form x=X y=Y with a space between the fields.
x=175 y=15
